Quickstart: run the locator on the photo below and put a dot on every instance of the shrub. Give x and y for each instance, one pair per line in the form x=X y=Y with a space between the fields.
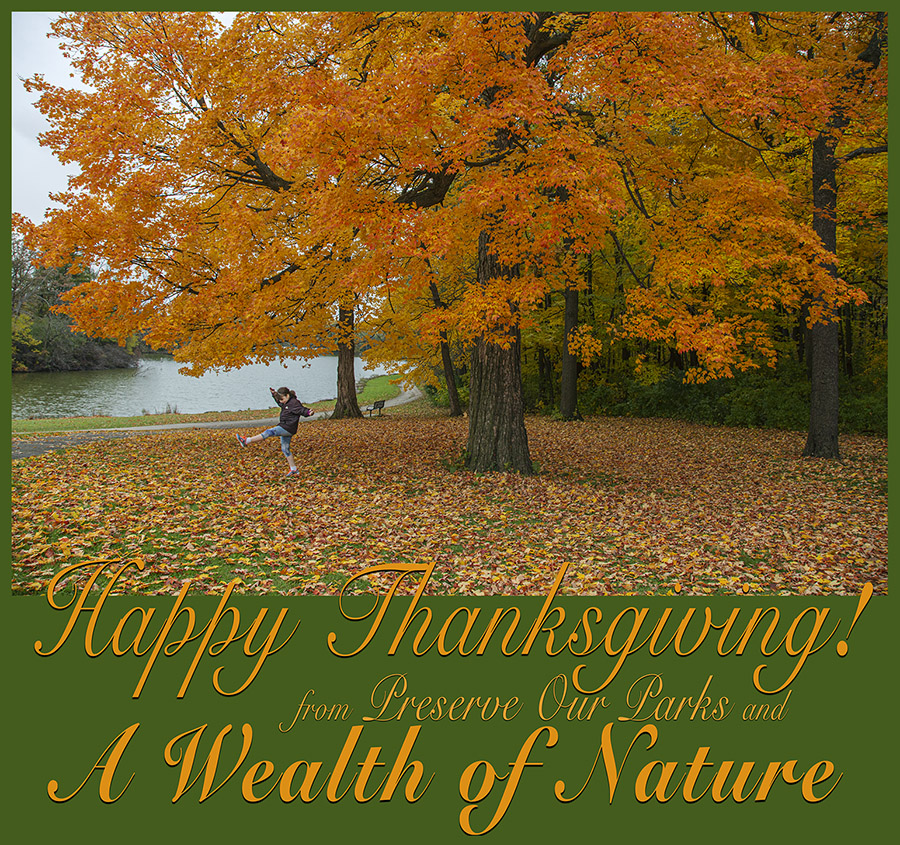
x=440 y=396
x=756 y=399
x=864 y=414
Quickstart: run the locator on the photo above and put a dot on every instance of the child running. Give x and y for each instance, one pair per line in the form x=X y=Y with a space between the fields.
x=291 y=411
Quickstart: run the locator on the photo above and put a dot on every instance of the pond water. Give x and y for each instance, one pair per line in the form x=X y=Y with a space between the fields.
x=156 y=384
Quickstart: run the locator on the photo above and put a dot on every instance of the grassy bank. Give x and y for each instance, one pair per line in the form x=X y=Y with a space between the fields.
x=368 y=390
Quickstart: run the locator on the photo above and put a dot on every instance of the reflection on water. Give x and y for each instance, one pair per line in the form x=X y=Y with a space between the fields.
x=156 y=383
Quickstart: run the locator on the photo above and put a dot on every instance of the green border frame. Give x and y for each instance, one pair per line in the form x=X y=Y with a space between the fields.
x=63 y=710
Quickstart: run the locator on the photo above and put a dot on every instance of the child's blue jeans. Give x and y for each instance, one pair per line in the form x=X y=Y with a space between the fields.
x=285 y=436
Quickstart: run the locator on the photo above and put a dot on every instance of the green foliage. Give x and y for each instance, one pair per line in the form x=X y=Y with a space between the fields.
x=865 y=413
x=439 y=396
x=63 y=349
x=26 y=351
x=667 y=397
x=43 y=339
x=756 y=400
x=772 y=403
x=871 y=370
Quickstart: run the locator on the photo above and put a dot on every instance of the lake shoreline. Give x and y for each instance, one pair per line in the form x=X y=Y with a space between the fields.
x=156 y=387
x=369 y=389
x=134 y=362
x=131 y=365
x=36 y=444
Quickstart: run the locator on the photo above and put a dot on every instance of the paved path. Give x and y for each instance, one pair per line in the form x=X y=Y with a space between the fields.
x=55 y=441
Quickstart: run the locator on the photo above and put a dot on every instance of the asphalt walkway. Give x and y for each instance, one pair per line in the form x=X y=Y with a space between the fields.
x=56 y=441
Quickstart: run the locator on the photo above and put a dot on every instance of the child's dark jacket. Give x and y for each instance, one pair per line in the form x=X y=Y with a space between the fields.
x=291 y=411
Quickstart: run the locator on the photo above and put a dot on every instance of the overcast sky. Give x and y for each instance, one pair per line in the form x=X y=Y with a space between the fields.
x=35 y=171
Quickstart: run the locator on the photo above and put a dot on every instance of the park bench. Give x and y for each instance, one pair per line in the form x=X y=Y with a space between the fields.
x=376 y=406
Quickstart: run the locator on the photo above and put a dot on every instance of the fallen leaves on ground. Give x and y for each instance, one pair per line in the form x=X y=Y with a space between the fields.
x=631 y=506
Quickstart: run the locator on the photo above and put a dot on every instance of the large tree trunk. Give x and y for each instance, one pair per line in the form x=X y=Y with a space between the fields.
x=822 y=438
x=447 y=360
x=823 y=349
x=347 y=405
x=568 y=391
x=498 y=441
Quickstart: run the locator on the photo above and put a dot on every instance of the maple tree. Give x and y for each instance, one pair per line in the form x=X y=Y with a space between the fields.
x=193 y=230
x=841 y=54
x=244 y=186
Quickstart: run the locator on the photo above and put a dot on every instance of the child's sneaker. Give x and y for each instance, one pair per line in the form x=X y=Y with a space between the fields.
x=293 y=474
x=241 y=440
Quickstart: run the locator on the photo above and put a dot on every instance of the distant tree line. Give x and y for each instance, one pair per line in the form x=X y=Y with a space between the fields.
x=42 y=339
x=640 y=378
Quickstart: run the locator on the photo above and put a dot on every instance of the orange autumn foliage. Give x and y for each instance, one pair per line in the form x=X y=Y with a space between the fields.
x=238 y=183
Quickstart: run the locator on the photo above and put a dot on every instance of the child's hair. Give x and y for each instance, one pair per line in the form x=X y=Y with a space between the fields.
x=284 y=391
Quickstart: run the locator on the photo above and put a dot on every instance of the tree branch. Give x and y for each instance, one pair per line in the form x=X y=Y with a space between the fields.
x=864 y=151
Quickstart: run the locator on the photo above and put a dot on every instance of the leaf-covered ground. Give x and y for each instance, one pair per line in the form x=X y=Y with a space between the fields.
x=633 y=506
